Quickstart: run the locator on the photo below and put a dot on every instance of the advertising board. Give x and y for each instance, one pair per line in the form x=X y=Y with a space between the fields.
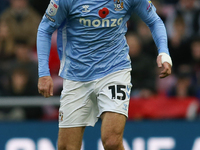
x=140 y=135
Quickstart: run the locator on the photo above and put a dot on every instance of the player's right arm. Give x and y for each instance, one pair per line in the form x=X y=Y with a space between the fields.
x=54 y=16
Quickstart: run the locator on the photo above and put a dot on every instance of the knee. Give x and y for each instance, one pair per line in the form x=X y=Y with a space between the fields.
x=112 y=143
x=62 y=147
x=67 y=147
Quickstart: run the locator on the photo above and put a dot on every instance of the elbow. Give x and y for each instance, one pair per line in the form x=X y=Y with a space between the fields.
x=46 y=28
x=43 y=32
x=157 y=21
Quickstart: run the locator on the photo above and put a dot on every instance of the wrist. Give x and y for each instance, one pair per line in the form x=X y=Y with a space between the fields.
x=165 y=58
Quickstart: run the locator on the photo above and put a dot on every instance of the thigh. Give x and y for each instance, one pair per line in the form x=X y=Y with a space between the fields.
x=70 y=138
x=77 y=108
x=112 y=126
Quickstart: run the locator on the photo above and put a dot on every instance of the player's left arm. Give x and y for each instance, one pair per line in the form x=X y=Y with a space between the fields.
x=147 y=12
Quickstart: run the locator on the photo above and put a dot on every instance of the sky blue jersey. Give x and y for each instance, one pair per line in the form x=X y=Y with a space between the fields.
x=91 y=36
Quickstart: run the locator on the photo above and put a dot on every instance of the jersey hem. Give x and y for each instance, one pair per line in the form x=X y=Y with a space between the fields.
x=94 y=77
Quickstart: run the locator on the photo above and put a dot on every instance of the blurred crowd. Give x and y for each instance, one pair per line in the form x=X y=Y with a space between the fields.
x=19 y=20
x=182 y=20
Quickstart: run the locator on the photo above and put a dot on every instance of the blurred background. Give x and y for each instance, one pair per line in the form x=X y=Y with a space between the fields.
x=163 y=113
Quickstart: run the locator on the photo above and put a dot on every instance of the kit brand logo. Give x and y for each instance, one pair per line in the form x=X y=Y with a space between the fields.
x=85 y=7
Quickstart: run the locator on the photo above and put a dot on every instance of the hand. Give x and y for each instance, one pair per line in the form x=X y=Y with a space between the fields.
x=166 y=67
x=45 y=86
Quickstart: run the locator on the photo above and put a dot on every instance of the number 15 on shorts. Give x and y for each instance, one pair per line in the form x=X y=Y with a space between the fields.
x=120 y=92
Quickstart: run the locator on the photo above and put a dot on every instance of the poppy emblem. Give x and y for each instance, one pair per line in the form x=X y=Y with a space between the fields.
x=103 y=12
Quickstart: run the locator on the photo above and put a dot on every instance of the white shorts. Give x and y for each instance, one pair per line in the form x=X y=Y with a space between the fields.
x=82 y=103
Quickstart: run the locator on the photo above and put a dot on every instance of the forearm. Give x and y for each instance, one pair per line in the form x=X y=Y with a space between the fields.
x=43 y=51
x=159 y=34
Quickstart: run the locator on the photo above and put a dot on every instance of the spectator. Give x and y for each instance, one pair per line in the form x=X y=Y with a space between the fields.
x=22 y=20
x=189 y=10
x=23 y=53
x=183 y=87
x=6 y=43
x=179 y=44
x=147 y=42
x=195 y=50
x=7 y=53
x=143 y=69
x=20 y=83
x=159 y=9
x=22 y=60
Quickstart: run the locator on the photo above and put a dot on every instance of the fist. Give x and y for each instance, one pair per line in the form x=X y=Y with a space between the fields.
x=45 y=86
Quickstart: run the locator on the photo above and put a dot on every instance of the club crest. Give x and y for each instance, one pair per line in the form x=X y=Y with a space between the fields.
x=119 y=5
x=60 y=116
